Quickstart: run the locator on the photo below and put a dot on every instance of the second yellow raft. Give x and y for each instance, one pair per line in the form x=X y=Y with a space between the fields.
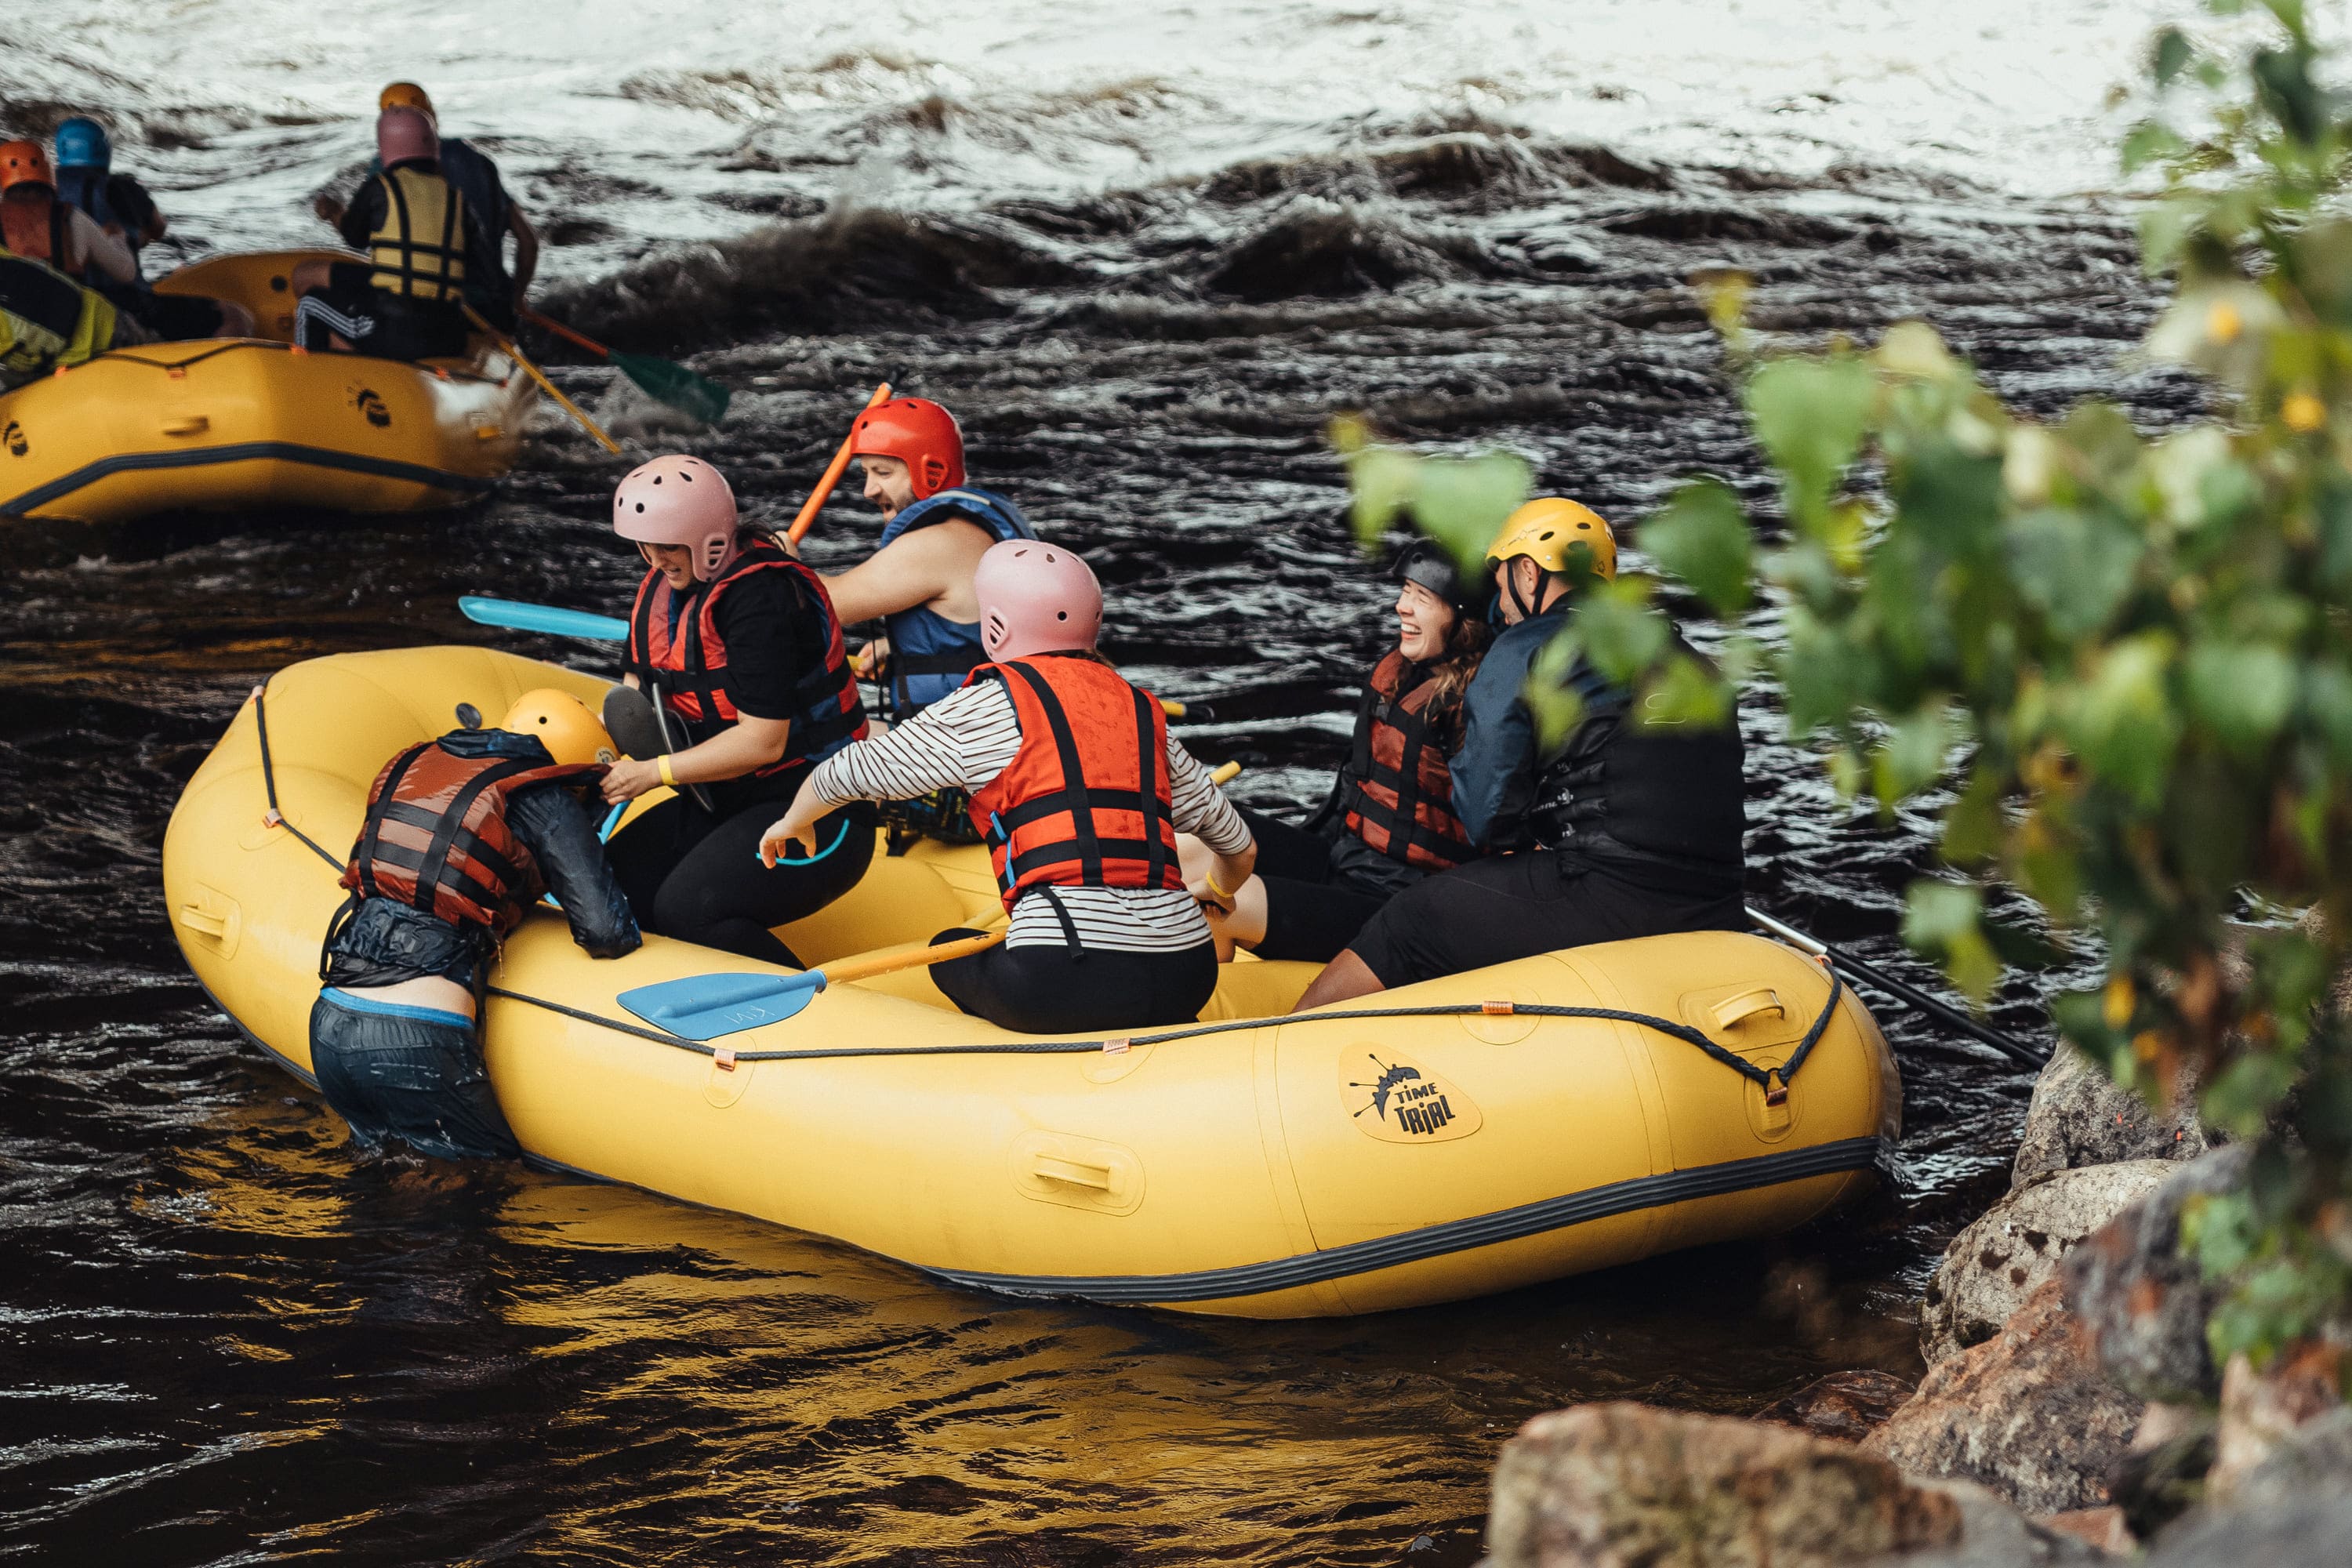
x=1438 y=1141
x=250 y=423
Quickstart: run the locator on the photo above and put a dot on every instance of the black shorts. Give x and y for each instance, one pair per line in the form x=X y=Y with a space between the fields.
x=1312 y=910
x=1516 y=906
x=411 y=1073
x=176 y=318
x=1054 y=990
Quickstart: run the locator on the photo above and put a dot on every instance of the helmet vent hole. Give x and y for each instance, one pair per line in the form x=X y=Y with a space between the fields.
x=1061 y=614
x=1546 y=533
x=641 y=505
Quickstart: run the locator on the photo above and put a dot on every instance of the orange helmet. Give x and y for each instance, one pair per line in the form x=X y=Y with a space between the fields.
x=919 y=433
x=24 y=164
x=406 y=95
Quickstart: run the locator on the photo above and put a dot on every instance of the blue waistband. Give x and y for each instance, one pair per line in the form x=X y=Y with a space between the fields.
x=351 y=1003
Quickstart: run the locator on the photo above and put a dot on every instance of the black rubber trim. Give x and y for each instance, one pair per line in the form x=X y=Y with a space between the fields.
x=1436 y=1240
x=242 y=452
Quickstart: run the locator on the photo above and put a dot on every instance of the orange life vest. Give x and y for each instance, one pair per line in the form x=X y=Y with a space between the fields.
x=435 y=835
x=690 y=667
x=1085 y=801
x=1400 y=795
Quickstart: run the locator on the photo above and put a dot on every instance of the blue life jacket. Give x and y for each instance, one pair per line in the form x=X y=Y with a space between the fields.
x=87 y=189
x=929 y=654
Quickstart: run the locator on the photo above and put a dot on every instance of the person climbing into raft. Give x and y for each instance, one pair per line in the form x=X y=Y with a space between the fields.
x=734 y=649
x=935 y=528
x=48 y=321
x=1079 y=791
x=462 y=836
x=1620 y=830
x=121 y=206
x=491 y=212
x=404 y=301
x=1389 y=820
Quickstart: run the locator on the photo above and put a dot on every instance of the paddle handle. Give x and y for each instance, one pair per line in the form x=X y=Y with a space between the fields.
x=889 y=963
x=833 y=471
x=1224 y=773
x=507 y=347
x=561 y=330
x=520 y=617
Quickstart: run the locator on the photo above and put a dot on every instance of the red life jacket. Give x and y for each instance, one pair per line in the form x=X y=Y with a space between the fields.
x=435 y=835
x=37 y=231
x=690 y=667
x=1085 y=801
x=1400 y=795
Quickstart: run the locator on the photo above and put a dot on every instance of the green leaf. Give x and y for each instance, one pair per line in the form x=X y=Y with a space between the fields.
x=2074 y=567
x=1811 y=414
x=1912 y=755
x=1553 y=703
x=2120 y=719
x=1621 y=634
x=1687 y=692
x=1946 y=919
x=1463 y=502
x=2171 y=54
x=2243 y=692
x=2149 y=141
x=1702 y=537
x=1383 y=479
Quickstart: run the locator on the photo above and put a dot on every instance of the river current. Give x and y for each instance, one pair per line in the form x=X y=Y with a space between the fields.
x=1145 y=253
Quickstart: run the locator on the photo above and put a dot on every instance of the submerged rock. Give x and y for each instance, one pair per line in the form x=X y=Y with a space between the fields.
x=2081 y=1117
x=2015 y=1246
x=2143 y=1304
x=1844 y=1404
x=2028 y=1414
x=1616 y=1486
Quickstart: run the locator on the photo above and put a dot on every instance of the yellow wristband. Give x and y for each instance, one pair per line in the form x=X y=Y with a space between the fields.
x=1210 y=879
x=667 y=776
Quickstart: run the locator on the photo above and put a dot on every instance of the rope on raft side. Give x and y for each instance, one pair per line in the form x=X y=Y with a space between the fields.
x=1785 y=1072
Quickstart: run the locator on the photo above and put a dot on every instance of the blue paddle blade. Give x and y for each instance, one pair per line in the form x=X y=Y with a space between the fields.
x=522 y=618
x=705 y=1006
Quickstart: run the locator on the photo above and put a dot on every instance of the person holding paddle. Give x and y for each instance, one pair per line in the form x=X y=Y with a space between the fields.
x=1079 y=791
x=737 y=648
x=935 y=528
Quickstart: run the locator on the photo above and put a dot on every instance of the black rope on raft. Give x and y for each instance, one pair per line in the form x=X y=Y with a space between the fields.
x=1683 y=1032
x=277 y=818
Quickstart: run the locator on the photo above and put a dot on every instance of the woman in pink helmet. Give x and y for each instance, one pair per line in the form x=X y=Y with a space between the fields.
x=738 y=648
x=1080 y=792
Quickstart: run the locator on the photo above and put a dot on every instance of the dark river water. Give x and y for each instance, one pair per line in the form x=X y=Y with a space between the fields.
x=224 y=1338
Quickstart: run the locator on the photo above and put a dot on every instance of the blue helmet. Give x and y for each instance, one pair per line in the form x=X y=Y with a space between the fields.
x=82 y=144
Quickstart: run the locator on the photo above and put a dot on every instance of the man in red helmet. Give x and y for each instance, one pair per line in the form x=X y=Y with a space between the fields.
x=935 y=528
x=39 y=227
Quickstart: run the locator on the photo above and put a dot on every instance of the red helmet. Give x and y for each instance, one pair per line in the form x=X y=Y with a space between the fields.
x=1036 y=597
x=678 y=501
x=919 y=433
x=24 y=164
x=403 y=134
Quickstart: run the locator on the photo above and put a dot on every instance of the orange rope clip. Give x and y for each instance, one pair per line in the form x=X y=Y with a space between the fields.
x=271 y=818
x=1117 y=1046
x=1496 y=1009
x=723 y=1058
x=1776 y=1091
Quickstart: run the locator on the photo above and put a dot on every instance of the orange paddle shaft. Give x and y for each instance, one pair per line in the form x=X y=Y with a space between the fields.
x=833 y=472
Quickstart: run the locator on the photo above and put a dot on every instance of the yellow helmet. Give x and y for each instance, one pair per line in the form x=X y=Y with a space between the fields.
x=406 y=95
x=563 y=724
x=1547 y=527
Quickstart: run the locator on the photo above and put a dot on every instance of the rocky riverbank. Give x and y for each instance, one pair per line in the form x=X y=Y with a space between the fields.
x=2071 y=1413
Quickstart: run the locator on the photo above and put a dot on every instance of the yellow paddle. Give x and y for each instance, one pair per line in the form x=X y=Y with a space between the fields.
x=833 y=471
x=505 y=347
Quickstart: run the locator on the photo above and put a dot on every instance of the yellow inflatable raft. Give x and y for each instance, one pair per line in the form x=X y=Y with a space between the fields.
x=241 y=423
x=1534 y=1120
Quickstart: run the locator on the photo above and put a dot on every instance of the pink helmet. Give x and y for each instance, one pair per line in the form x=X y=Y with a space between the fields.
x=402 y=134
x=1036 y=597
x=678 y=501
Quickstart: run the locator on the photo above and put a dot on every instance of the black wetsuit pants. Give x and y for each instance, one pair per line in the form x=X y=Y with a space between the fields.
x=696 y=875
x=1057 y=990
x=411 y=1073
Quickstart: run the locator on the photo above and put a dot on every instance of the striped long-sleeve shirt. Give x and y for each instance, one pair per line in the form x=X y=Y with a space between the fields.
x=967 y=738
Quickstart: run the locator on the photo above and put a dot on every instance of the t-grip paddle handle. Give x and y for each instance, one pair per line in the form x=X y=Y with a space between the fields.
x=833 y=471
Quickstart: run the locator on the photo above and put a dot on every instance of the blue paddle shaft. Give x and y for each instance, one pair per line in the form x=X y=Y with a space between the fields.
x=522 y=618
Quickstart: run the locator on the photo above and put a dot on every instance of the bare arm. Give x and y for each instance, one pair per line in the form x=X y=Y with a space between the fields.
x=103 y=251
x=929 y=566
x=526 y=265
x=743 y=747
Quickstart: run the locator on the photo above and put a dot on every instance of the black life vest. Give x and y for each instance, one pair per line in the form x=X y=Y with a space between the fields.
x=46 y=319
x=435 y=835
x=690 y=668
x=419 y=249
x=1086 y=800
x=1662 y=806
x=1400 y=797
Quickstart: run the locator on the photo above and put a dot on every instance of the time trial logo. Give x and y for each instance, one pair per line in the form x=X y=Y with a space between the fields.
x=1397 y=1099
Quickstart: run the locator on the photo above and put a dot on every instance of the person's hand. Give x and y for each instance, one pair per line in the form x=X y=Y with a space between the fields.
x=327 y=208
x=869 y=660
x=796 y=826
x=1209 y=892
x=629 y=778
